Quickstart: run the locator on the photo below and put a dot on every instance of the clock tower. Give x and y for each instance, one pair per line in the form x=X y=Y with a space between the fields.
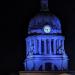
x=45 y=43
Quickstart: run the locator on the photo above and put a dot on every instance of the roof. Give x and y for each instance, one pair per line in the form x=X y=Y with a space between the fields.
x=37 y=23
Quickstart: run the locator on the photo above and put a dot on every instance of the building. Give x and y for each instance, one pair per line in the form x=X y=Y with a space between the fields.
x=45 y=43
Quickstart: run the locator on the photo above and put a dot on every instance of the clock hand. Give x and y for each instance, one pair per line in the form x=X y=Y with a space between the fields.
x=47 y=29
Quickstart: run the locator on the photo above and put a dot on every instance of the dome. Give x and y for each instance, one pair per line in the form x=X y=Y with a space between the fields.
x=44 y=21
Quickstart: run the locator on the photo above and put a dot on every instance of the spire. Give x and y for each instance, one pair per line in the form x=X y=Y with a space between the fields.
x=44 y=5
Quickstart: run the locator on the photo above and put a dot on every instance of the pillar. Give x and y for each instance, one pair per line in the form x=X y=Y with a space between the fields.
x=39 y=48
x=34 y=46
x=63 y=51
x=30 y=47
x=57 y=46
x=61 y=46
x=45 y=47
x=54 y=46
x=49 y=46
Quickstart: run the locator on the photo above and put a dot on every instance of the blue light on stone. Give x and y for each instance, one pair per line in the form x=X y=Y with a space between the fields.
x=44 y=47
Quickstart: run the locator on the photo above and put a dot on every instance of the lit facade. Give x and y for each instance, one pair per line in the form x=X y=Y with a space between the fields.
x=45 y=44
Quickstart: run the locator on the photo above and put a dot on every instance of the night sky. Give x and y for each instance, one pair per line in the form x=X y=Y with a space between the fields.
x=15 y=16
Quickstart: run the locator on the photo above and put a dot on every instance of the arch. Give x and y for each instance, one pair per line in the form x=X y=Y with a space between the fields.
x=48 y=66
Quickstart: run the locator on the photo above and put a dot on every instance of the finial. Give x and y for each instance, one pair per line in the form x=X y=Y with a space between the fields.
x=44 y=5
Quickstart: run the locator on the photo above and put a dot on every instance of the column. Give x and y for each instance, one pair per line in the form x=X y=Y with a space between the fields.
x=54 y=46
x=49 y=46
x=37 y=41
x=30 y=47
x=45 y=47
x=34 y=51
x=60 y=46
x=35 y=46
x=57 y=46
x=62 y=42
x=39 y=48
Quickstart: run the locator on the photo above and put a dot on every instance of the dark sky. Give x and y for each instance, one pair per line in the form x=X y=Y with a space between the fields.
x=15 y=16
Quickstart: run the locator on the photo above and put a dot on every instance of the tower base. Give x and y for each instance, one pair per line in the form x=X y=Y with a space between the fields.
x=43 y=73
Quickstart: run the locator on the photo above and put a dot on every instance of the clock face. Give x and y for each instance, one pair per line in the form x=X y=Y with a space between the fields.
x=47 y=29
